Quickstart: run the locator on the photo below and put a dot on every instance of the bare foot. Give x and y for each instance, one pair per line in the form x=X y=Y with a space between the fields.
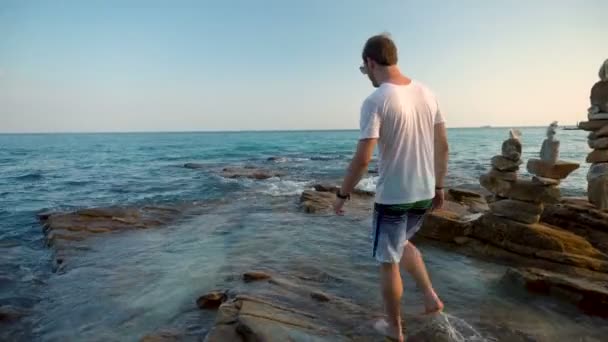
x=432 y=303
x=390 y=333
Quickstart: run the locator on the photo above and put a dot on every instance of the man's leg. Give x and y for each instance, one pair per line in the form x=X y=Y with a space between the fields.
x=412 y=262
x=392 y=289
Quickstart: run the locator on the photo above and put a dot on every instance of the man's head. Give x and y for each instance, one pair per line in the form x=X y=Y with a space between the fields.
x=379 y=54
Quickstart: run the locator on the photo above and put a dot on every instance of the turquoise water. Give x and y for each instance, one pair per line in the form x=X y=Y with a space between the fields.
x=133 y=283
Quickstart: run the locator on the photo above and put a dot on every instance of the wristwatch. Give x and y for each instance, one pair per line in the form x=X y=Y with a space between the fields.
x=340 y=196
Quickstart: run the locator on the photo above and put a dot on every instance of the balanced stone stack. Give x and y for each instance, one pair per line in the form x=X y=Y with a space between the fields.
x=514 y=199
x=597 y=177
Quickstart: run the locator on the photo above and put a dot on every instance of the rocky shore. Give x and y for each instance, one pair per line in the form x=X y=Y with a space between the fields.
x=553 y=246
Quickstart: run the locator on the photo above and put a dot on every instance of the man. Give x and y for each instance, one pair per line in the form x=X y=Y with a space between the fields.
x=402 y=116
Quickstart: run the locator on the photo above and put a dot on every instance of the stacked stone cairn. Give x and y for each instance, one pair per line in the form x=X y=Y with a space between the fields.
x=515 y=199
x=597 y=177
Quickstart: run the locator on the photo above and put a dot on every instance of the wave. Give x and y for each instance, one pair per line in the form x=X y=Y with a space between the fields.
x=34 y=176
x=277 y=187
x=368 y=184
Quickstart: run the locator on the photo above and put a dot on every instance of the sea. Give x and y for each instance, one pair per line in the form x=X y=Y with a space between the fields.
x=129 y=284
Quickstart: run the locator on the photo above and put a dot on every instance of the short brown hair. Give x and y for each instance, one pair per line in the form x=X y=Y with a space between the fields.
x=381 y=49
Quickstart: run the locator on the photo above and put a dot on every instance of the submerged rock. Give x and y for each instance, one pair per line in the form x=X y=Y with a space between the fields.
x=252 y=276
x=211 y=300
x=591 y=296
x=249 y=172
x=194 y=166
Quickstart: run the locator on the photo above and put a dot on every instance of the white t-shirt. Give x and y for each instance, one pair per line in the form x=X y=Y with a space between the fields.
x=402 y=117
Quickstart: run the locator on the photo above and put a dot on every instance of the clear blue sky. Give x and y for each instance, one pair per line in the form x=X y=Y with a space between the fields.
x=230 y=65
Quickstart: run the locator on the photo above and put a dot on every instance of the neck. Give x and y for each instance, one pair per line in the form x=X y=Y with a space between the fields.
x=392 y=74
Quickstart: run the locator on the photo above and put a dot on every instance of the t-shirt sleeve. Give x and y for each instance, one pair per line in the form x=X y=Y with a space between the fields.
x=439 y=116
x=369 y=122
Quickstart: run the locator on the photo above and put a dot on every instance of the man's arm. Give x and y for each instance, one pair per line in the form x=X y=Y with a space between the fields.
x=441 y=163
x=358 y=166
x=441 y=154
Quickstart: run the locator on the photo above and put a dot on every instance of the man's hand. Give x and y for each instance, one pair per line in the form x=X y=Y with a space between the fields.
x=339 y=206
x=438 y=200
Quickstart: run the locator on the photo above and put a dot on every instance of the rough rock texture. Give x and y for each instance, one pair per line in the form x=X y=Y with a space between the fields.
x=249 y=172
x=559 y=170
x=511 y=149
x=506 y=176
x=167 y=336
x=66 y=232
x=525 y=212
x=597 y=191
x=252 y=276
x=601 y=133
x=597 y=156
x=594 y=125
x=598 y=144
x=522 y=190
x=10 y=313
x=581 y=218
x=545 y=181
x=539 y=240
x=599 y=96
x=211 y=300
x=504 y=164
x=291 y=310
x=444 y=225
x=472 y=201
x=591 y=296
x=316 y=201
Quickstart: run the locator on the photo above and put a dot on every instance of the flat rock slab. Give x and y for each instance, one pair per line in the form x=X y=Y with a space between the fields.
x=560 y=170
x=580 y=217
x=474 y=202
x=598 y=144
x=509 y=176
x=539 y=240
x=444 y=225
x=597 y=156
x=591 y=296
x=66 y=231
x=525 y=212
x=523 y=190
x=545 y=181
x=250 y=172
x=593 y=125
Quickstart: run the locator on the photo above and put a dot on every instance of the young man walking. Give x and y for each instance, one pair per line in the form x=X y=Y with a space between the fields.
x=403 y=118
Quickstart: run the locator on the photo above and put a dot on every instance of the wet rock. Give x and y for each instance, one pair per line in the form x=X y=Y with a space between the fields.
x=589 y=295
x=320 y=296
x=211 y=300
x=277 y=159
x=504 y=164
x=255 y=276
x=525 y=212
x=164 y=336
x=598 y=144
x=559 y=170
x=545 y=181
x=67 y=231
x=10 y=313
x=445 y=226
x=594 y=125
x=597 y=156
x=249 y=172
x=539 y=240
x=195 y=166
x=511 y=149
x=317 y=201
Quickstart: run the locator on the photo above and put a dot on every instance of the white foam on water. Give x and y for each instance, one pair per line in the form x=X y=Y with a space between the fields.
x=459 y=330
x=368 y=184
x=278 y=187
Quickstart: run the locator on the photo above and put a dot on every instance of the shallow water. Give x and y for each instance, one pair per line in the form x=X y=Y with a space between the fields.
x=133 y=283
